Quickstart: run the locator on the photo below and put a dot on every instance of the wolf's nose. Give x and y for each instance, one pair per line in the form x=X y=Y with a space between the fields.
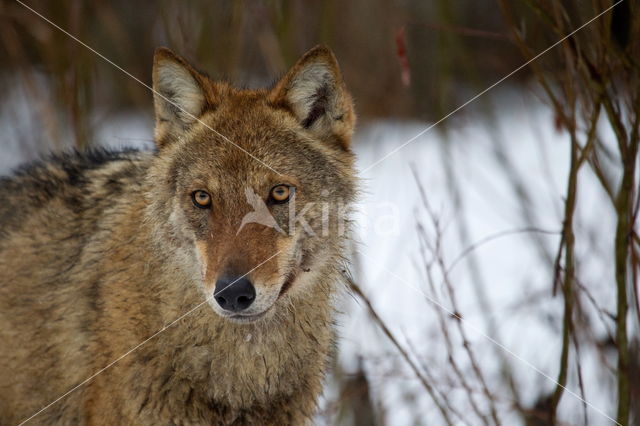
x=234 y=294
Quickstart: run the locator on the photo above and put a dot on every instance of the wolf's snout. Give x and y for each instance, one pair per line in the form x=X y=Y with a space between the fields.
x=234 y=294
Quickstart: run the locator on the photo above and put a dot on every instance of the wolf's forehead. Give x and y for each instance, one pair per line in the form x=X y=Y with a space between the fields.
x=249 y=145
x=229 y=165
x=249 y=117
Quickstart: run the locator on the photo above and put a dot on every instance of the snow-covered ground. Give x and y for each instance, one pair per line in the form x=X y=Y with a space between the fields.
x=508 y=178
x=487 y=183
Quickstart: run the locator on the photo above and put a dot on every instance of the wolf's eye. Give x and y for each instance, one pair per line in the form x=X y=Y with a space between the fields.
x=281 y=193
x=201 y=199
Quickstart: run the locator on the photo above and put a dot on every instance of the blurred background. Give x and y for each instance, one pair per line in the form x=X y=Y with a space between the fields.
x=494 y=284
x=455 y=46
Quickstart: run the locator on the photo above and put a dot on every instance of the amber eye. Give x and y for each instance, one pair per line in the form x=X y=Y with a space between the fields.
x=201 y=199
x=281 y=193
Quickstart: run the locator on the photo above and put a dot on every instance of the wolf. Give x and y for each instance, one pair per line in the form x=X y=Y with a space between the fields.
x=130 y=295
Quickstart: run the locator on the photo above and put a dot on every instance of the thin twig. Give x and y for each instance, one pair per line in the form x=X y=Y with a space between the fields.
x=356 y=289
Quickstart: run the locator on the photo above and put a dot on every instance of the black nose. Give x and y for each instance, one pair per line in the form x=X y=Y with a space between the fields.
x=234 y=294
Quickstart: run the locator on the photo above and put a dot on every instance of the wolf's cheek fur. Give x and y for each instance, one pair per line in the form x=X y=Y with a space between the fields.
x=201 y=250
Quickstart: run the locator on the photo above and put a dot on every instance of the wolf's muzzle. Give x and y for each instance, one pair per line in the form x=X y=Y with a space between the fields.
x=234 y=294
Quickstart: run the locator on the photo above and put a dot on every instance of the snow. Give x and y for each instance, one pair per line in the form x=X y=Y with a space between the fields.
x=516 y=277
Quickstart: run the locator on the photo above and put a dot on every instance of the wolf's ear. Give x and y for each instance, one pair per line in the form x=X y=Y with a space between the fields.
x=180 y=95
x=314 y=92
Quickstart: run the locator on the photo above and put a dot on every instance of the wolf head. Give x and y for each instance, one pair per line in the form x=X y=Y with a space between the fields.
x=250 y=187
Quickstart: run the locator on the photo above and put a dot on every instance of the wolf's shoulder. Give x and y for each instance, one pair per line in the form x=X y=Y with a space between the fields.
x=74 y=162
x=64 y=172
x=76 y=180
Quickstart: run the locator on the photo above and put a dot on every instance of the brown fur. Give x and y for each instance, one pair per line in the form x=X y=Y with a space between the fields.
x=99 y=251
